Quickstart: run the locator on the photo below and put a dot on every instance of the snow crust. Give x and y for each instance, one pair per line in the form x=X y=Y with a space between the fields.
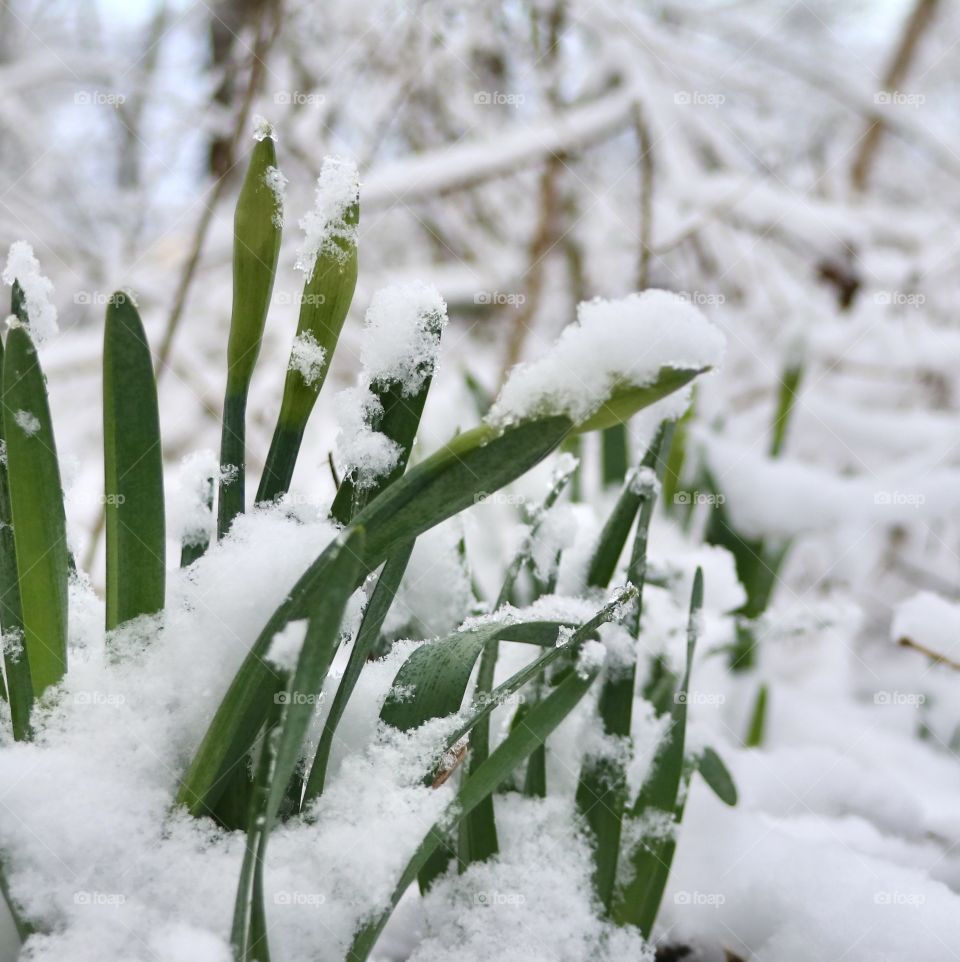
x=24 y=267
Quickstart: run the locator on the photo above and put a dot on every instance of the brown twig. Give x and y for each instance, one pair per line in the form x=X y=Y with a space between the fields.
x=934 y=656
x=913 y=30
x=645 y=149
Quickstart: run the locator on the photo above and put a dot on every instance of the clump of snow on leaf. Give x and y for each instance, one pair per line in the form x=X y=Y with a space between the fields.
x=399 y=346
x=363 y=452
x=307 y=357
x=24 y=268
x=401 y=339
x=615 y=344
x=325 y=227
x=27 y=421
x=275 y=179
x=262 y=128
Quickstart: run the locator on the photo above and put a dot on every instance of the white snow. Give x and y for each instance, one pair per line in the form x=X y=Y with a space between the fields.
x=27 y=421
x=401 y=337
x=364 y=452
x=284 y=650
x=930 y=621
x=614 y=344
x=277 y=182
x=307 y=357
x=23 y=267
x=338 y=189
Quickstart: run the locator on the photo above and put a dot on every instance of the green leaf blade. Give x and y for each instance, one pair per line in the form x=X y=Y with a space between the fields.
x=36 y=502
x=133 y=469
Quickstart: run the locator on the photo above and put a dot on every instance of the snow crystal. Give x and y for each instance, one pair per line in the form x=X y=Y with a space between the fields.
x=401 y=339
x=307 y=357
x=262 y=128
x=23 y=267
x=363 y=452
x=338 y=189
x=624 y=342
x=27 y=421
x=277 y=182
x=284 y=650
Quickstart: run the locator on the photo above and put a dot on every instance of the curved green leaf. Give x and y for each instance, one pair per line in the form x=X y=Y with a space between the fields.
x=19 y=688
x=256 y=248
x=717 y=776
x=36 y=503
x=133 y=469
x=324 y=306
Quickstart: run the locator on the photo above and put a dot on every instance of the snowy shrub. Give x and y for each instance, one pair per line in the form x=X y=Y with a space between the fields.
x=239 y=759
